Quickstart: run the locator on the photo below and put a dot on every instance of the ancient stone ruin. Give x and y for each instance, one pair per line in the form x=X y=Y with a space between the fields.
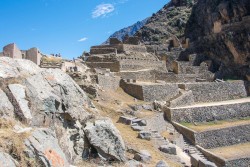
x=13 y=51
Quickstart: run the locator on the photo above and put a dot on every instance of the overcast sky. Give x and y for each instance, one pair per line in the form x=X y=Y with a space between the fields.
x=68 y=26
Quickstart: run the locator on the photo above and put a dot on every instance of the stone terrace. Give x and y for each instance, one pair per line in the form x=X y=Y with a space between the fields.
x=217 y=119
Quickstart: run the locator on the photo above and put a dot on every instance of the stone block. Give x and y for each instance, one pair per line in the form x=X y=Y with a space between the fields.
x=206 y=163
x=162 y=164
x=195 y=160
x=143 y=156
x=169 y=149
x=126 y=120
x=137 y=128
x=145 y=135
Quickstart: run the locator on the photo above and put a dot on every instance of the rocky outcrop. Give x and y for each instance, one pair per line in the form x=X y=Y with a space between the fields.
x=168 y=23
x=54 y=92
x=54 y=110
x=219 y=30
x=43 y=145
x=6 y=108
x=18 y=94
x=7 y=161
x=14 y=68
x=106 y=139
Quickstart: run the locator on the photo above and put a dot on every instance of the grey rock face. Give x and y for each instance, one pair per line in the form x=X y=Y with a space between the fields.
x=169 y=149
x=7 y=161
x=162 y=164
x=18 y=93
x=6 y=108
x=53 y=91
x=13 y=68
x=143 y=156
x=43 y=144
x=106 y=139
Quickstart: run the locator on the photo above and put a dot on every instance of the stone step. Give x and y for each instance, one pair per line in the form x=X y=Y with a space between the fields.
x=206 y=112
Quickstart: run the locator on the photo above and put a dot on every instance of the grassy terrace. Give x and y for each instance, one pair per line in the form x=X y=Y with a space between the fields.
x=200 y=127
x=232 y=152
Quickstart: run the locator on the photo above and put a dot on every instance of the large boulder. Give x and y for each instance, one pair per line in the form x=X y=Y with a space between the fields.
x=46 y=98
x=106 y=139
x=7 y=161
x=6 y=108
x=43 y=144
x=54 y=92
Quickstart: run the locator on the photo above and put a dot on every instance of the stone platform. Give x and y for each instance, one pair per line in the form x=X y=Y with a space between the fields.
x=205 y=112
x=148 y=91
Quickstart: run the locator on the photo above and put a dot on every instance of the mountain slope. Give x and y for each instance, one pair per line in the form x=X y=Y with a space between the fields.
x=168 y=22
x=219 y=29
x=131 y=30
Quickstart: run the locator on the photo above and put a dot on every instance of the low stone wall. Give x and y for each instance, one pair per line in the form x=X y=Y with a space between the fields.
x=107 y=50
x=223 y=137
x=188 y=133
x=219 y=161
x=132 y=89
x=146 y=76
x=209 y=113
x=241 y=162
x=175 y=78
x=134 y=48
x=108 y=82
x=113 y=66
x=186 y=98
x=134 y=64
x=216 y=91
x=159 y=92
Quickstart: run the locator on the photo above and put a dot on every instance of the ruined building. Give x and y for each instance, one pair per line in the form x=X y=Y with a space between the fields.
x=13 y=51
x=128 y=55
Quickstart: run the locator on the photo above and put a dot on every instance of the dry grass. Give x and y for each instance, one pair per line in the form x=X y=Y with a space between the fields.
x=110 y=109
x=200 y=127
x=13 y=143
x=233 y=152
x=51 y=59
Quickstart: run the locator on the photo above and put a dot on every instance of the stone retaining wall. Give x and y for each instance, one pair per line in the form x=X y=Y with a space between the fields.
x=138 y=75
x=103 y=50
x=209 y=113
x=223 y=137
x=113 y=66
x=134 y=64
x=159 y=92
x=216 y=91
x=109 y=82
x=186 y=98
x=133 y=90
